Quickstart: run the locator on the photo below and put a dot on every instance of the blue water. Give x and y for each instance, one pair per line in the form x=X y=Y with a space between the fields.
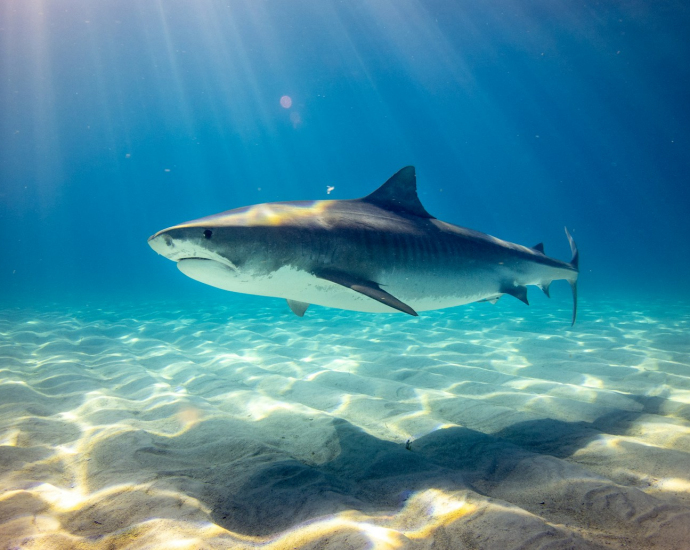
x=120 y=117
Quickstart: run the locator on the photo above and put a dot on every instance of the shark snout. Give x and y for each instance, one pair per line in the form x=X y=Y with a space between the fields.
x=162 y=243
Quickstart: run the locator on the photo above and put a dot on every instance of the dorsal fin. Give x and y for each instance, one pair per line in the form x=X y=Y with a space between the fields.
x=539 y=247
x=399 y=194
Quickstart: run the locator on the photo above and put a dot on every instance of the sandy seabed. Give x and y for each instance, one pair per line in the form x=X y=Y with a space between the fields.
x=169 y=425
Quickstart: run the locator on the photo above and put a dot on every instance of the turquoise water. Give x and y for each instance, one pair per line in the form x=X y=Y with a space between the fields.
x=137 y=425
x=142 y=409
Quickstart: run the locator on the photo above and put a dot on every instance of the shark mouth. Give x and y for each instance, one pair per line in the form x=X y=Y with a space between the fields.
x=195 y=258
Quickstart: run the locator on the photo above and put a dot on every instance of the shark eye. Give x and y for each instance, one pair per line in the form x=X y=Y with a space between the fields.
x=208 y=233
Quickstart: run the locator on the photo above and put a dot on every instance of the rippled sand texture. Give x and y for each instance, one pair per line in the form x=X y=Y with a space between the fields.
x=242 y=426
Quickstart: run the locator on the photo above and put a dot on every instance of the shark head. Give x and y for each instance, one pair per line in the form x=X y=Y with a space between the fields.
x=203 y=249
x=232 y=249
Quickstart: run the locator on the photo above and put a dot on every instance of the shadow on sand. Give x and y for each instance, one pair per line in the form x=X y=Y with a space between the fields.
x=374 y=476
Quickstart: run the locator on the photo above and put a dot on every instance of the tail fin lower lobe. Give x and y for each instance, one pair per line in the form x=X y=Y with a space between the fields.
x=575 y=263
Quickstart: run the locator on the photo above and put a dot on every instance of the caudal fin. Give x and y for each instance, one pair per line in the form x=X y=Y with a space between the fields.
x=575 y=263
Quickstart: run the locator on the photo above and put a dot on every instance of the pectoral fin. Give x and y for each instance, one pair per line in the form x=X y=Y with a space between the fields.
x=368 y=288
x=298 y=308
x=518 y=291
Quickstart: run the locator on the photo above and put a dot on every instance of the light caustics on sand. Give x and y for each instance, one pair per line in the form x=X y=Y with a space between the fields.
x=139 y=424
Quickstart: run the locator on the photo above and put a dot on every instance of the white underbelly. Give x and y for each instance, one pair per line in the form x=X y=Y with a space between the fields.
x=299 y=285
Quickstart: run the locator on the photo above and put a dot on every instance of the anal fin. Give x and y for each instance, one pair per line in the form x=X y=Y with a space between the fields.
x=298 y=308
x=367 y=288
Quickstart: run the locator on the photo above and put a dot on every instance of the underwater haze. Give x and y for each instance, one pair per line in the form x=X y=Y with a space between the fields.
x=123 y=117
x=139 y=407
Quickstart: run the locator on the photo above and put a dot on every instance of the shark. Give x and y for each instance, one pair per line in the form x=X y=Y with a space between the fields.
x=383 y=253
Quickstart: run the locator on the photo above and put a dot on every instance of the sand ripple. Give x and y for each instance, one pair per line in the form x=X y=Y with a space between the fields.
x=168 y=425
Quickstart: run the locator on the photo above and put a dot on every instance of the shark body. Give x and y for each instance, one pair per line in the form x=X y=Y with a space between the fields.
x=381 y=254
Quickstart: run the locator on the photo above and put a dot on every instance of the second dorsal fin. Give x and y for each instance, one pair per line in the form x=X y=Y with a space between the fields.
x=399 y=194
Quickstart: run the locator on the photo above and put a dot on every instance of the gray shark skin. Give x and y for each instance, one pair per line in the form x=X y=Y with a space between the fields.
x=381 y=254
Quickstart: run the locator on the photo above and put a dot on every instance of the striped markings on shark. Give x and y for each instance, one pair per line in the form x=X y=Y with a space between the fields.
x=381 y=254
